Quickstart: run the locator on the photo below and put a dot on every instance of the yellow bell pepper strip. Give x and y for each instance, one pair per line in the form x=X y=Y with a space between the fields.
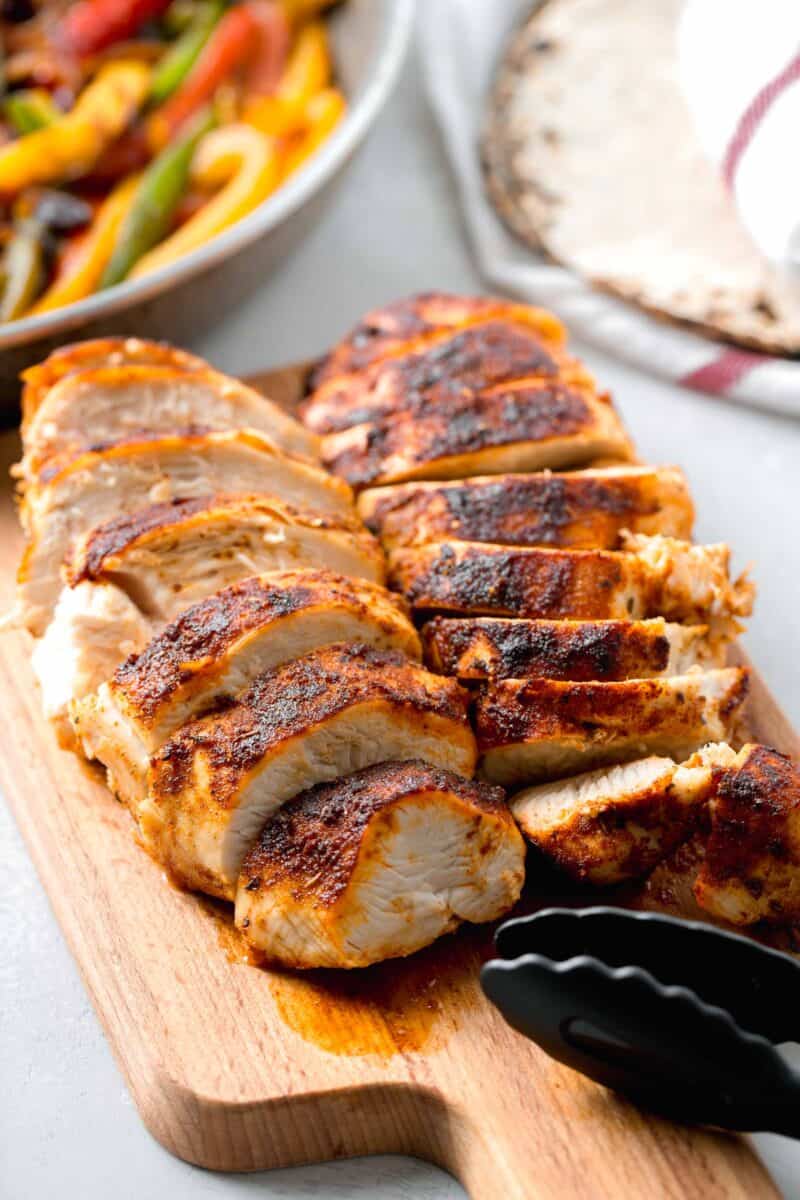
x=246 y=164
x=160 y=191
x=84 y=271
x=230 y=44
x=182 y=55
x=308 y=71
x=70 y=146
x=30 y=109
x=22 y=269
x=323 y=113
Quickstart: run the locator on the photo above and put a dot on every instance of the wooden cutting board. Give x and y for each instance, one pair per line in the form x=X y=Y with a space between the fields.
x=235 y=1067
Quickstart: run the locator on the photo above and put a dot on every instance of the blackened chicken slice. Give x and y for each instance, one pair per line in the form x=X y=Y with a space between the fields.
x=474 y=648
x=218 y=647
x=533 y=730
x=209 y=791
x=573 y=510
x=378 y=865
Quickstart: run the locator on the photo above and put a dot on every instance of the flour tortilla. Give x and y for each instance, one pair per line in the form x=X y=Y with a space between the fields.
x=591 y=157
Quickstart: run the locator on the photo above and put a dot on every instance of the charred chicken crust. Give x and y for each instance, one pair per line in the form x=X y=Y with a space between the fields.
x=415 y=321
x=575 y=510
x=503 y=648
x=198 y=640
x=751 y=868
x=315 y=839
x=447 y=436
x=470 y=360
x=287 y=701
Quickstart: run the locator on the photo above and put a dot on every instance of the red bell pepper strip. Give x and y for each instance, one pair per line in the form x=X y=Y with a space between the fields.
x=269 y=57
x=91 y=25
x=230 y=44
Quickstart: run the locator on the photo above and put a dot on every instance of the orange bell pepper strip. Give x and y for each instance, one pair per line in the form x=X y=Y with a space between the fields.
x=308 y=71
x=82 y=274
x=246 y=164
x=323 y=113
x=230 y=44
x=70 y=146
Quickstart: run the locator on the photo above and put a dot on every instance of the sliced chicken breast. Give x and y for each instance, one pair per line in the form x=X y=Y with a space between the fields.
x=212 y=787
x=504 y=648
x=573 y=510
x=537 y=729
x=100 y=485
x=616 y=823
x=416 y=321
x=530 y=426
x=378 y=865
x=751 y=868
x=216 y=649
x=95 y=626
x=98 y=352
x=107 y=404
x=169 y=556
x=469 y=359
x=653 y=577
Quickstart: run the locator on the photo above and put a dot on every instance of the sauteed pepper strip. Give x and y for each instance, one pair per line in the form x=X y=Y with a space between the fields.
x=247 y=164
x=82 y=275
x=70 y=146
x=22 y=269
x=91 y=25
x=230 y=44
x=157 y=196
x=30 y=110
x=323 y=113
x=181 y=57
x=308 y=71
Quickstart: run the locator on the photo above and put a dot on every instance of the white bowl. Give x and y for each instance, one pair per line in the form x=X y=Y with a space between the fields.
x=370 y=38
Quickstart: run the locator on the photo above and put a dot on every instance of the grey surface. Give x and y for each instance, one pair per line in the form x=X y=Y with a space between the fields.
x=67 y=1125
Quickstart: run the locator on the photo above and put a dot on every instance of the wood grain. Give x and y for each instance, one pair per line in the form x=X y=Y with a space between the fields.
x=235 y=1067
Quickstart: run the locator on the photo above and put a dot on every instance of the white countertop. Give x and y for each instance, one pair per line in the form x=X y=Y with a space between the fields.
x=67 y=1124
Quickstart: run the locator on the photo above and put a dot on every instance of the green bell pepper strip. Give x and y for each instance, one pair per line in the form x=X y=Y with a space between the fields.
x=30 y=110
x=23 y=270
x=182 y=55
x=158 y=195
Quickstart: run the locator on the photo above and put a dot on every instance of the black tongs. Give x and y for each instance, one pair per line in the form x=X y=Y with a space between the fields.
x=679 y=1016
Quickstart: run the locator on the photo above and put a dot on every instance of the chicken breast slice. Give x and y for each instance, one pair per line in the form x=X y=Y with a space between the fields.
x=751 y=868
x=378 y=865
x=471 y=358
x=652 y=577
x=97 y=352
x=505 y=648
x=573 y=510
x=215 y=649
x=537 y=729
x=108 y=404
x=613 y=824
x=209 y=791
x=95 y=626
x=533 y=425
x=170 y=556
x=422 y=319
x=100 y=485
